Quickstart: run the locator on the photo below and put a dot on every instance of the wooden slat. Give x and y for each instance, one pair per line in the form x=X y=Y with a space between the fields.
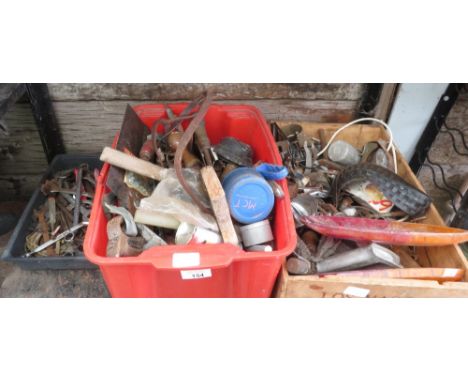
x=22 y=159
x=304 y=286
x=14 y=187
x=9 y=94
x=219 y=205
x=88 y=126
x=406 y=260
x=22 y=151
x=384 y=106
x=158 y=92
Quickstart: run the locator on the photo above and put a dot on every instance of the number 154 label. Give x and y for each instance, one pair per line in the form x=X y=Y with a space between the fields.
x=196 y=274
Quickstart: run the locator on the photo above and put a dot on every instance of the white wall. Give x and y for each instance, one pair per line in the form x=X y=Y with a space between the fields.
x=414 y=105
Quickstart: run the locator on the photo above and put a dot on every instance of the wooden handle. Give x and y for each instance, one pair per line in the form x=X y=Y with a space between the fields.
x=203 y=143
x=130 y=163
x=219 y=204
x=188 y=158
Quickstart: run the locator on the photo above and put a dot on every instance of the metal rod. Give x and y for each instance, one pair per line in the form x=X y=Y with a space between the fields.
x=446 y=102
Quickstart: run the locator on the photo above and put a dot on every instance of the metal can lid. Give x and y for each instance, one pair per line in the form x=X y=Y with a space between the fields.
x=250 y=197
x=256 y=233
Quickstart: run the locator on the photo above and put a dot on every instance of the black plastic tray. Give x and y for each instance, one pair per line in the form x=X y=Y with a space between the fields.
x=15 y=247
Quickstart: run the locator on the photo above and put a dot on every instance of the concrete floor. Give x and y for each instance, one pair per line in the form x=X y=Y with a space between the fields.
x=16 y=282
x=442 y=152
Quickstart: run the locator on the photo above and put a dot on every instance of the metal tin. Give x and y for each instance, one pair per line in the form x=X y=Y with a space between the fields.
x=257 y=233
x=303 y=205
x=249 y=195
x=190 y=234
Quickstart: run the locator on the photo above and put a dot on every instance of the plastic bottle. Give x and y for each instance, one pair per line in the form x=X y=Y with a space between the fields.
x=343 y=153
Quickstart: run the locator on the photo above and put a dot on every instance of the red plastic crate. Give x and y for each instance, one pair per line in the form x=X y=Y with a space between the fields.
x=234 y=273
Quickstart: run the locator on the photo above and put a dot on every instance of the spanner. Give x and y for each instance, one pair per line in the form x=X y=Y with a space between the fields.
x=67 y=235
x=152 y=239
x=130 y=226
x=76 y=210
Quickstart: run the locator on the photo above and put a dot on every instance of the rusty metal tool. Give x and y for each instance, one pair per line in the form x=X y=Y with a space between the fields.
x=204 y=102
x=138 y=183
x=188 y=158
x=32 y=241
x=119 y=244
x=132 y=135
x=67 y=235
x=152 y=239
x=52 y=212
x=40 y=215
x=204 y=144
x=308 y=158
x=52 y=187
x=173 y=122
x=147 y=150
x=85 y=213
x=76 y=210
x=65 y=213
x=130 y=225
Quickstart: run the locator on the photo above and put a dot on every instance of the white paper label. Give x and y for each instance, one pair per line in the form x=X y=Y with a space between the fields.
x=196 y=274
x=356 y=292
x=450 y=272
x=185 y=259
x=370 y=193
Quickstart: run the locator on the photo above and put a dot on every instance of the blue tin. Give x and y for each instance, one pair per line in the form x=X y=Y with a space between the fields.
x=249 y=195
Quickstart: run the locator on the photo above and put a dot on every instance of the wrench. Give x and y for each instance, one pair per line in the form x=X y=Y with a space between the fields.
x=76 y=210
x=308 y=155
x=151 y=238
x=67 y=235
x=52 y=212
x=130 y=226
x=119 y=244
x=44 y=228
x=85 y=212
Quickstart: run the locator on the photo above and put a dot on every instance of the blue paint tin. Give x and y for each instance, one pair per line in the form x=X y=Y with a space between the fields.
x=249 y=195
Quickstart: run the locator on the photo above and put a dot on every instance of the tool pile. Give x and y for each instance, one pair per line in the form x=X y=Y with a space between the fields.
x=171 y=185
x=353 y=213
x=58 y=222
